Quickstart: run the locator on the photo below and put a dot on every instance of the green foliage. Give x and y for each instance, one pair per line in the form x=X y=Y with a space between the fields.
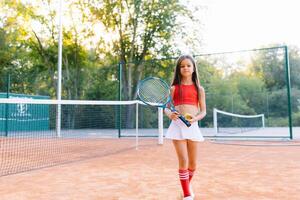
x=103 y=85
x=278 y=102
x=269 y=65
x=148 y=117
x=253 y=93
x=206 y=71
x=296 y=119
x=277 y=122
x=294 y=58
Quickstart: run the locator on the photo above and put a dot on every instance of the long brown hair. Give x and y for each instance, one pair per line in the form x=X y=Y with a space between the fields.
x=177 y=75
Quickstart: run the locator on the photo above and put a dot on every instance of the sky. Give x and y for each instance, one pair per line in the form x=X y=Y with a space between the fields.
x=230 y=25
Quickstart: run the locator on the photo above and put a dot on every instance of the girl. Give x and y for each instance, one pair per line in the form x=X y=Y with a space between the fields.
x=189 y=100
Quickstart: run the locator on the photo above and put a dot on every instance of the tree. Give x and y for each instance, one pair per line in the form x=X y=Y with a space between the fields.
x=143 y=30
x=253 y=93
x=269 y=65
x=294 y=58
x=13 y=54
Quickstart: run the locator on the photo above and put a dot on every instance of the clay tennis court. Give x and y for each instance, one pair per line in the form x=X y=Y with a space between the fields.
x=241 y=171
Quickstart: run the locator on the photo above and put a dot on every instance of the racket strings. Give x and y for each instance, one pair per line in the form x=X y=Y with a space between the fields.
x=154 y=91
x=153 y=96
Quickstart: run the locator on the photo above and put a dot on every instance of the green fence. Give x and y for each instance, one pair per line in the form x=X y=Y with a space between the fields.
x=244 y=82
x=248 y=82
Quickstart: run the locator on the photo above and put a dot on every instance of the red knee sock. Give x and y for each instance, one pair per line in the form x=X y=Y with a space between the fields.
x=191 y=174
x=184 y=180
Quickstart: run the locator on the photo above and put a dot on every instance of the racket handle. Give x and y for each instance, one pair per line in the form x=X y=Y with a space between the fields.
x=186 y=122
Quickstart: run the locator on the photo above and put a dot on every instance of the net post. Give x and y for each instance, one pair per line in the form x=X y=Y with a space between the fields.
x=263 y=120
x=120 y=99
x=215 y=121
x=160 y=126
x=58 y=120
x=136 y=125
x=60 y=38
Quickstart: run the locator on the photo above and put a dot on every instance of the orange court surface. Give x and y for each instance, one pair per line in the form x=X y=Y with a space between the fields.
x=268 y=171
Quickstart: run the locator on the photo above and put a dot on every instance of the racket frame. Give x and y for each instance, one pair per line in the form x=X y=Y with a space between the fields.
x=169 y=100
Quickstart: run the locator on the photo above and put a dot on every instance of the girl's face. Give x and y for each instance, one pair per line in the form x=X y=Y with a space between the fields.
x=186 y=68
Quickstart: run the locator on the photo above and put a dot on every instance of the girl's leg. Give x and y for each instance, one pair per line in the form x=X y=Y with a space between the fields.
x=192 y=148
x=192 y=164
x=182 y=155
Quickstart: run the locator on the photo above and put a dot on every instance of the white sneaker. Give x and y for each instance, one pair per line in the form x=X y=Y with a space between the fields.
x=188 y=198
x=191 y=191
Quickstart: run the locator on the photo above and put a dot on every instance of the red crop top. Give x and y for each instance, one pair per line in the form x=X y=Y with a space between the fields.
x=189 y=95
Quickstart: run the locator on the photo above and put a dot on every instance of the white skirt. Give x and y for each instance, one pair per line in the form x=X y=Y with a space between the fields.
x=179 y=131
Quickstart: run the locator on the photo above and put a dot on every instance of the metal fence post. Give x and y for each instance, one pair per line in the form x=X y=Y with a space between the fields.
x=288 y=85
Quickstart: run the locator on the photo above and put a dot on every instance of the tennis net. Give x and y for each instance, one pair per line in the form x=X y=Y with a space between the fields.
x=226 y=124
x=42 y=133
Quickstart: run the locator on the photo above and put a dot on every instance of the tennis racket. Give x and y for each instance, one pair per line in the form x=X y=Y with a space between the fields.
x=154 y=91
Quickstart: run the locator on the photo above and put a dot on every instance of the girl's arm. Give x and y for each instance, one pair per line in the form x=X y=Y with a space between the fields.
x=167 y=111
x=202 y=104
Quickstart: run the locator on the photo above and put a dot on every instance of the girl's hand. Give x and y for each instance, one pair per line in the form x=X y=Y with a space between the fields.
x=190 y=118
x=173 y=115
